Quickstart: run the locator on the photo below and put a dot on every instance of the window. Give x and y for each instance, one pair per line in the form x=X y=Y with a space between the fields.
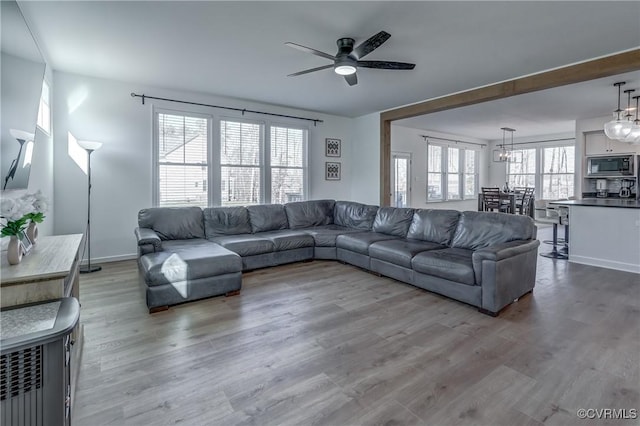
x=521 y=169
x=244 y=163
x=558 y=172
x=44 y=111
x=240 y=163
x=434 y=173
x=460 y=174
x=183 y=171
x=288 y=172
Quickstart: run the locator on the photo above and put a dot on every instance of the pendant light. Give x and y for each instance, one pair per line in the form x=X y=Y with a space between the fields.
x=504 y=154
x=634 y=133
x=627 y=123
x=617 y=128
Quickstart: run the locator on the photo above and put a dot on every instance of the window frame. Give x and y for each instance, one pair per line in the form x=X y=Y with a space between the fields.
x=156 y=149
x=536 y=156
x=444 y=173
x=543 y=173
x=305 y=158
x=39 y=123
x=214 y=142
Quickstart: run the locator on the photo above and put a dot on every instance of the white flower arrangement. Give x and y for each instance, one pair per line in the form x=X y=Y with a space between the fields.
x=17 y=212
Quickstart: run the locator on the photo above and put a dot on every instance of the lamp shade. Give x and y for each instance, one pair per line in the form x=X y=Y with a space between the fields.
x=617 y=129
x=21 y=135
x=90 y=145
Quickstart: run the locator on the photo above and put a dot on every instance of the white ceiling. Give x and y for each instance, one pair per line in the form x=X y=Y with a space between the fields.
x=237 y=48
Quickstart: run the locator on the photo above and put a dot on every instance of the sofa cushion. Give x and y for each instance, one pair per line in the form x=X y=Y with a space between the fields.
x=483 y=229
x=325 y=236
x=305 y=214
x=453 y=264
x=400 y=252
x=359 y=242
x=173 y=223
x=287 y=239
x=267 y=217
x=354 y=215
x=184 y=260
x=393 y=221
x=246 y=244
x=436 y=226
x=226 y=221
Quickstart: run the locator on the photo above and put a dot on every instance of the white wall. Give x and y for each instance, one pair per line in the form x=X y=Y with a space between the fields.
x=405 y=139
x=103 y=110
x=365 y=167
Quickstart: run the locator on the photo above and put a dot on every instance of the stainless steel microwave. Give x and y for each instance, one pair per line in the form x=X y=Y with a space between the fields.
x=611 y=166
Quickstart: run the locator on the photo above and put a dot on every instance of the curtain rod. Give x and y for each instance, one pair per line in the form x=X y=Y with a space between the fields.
x=547 y=140
x=452 y=140
x=242 y=110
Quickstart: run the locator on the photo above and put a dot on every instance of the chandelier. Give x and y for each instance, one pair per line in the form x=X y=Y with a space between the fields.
x=505 y=154
x=621 y=128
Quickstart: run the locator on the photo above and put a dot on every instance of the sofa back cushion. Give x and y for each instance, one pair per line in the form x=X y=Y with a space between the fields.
x=393 y=221
x=267 y=217
x=482 y=229
x=435 y=226
x=220 y=221
x=173 y=223
x=305 y=214
x=354 y=215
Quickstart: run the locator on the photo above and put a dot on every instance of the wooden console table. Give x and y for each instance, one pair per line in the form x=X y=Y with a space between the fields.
x=50 y=271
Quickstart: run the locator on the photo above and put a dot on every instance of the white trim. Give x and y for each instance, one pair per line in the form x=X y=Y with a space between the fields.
x=109 y=259
x=601 y=263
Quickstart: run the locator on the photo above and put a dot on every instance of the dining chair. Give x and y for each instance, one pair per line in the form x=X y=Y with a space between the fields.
x=524 y=195
x=492 y=200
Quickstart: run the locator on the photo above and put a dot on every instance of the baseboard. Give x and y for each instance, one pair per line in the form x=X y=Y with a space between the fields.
x=603 y=263
x=108 y=259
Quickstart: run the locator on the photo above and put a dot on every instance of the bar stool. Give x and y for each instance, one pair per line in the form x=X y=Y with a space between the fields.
x=546 y=214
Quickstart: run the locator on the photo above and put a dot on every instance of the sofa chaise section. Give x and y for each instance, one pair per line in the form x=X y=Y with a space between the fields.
x=177 y=264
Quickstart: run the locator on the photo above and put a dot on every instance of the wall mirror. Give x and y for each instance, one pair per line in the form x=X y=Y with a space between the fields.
x=22 y=73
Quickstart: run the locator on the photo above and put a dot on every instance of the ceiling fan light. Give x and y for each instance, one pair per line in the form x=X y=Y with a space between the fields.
x=344 y=69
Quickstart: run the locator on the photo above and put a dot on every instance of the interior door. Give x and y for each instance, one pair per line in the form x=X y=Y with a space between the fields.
x=400 y=179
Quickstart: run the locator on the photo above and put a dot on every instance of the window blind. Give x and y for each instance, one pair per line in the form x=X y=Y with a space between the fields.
x=240 y=163
x=287 y=164
x=183 y=168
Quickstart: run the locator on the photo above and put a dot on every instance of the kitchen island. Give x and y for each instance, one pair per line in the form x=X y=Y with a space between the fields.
x=604 y=232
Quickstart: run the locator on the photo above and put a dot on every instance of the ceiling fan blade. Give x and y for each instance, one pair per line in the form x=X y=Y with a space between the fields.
x=386 y=65
x=352 y=79
x=324 y=67
x=310 y=50
x=371 y=44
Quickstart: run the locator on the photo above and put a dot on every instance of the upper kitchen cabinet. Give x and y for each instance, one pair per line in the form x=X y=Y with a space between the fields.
x=596 y=143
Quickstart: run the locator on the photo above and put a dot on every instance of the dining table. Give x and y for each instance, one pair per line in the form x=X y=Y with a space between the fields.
x=511 y=197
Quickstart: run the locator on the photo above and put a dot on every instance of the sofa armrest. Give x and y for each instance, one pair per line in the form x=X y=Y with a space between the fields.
x=148 y=240
x=504 y=250
x=505 y=272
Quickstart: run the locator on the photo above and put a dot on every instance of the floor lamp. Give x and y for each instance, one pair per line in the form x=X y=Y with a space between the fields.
x=89 y=146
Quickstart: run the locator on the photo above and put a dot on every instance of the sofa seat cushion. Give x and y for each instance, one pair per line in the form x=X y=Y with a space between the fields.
x=359 y=242
x=287 y=239
x=453 y=264
x=246 y=244
x=325 y=236
x=400 y=252
x=184 y=260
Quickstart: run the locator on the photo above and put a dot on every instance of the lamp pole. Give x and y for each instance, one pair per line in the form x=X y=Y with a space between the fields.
x=89 y=147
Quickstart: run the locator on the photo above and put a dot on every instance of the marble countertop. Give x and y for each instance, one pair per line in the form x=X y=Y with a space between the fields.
x=601 y=202
x=16 y=322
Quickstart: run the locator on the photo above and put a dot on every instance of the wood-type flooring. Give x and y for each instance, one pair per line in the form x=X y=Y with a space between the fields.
x=330 y=344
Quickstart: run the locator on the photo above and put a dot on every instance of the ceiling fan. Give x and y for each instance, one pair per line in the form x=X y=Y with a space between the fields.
x=347 y=60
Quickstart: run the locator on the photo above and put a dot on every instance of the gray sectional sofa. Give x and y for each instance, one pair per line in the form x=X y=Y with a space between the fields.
x=484 y=259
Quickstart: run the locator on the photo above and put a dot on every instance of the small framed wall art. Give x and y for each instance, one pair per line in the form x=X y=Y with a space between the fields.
x=333 y=147
x=332 y=171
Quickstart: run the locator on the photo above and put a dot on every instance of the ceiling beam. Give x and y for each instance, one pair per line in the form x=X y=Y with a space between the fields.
x=619 y=63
